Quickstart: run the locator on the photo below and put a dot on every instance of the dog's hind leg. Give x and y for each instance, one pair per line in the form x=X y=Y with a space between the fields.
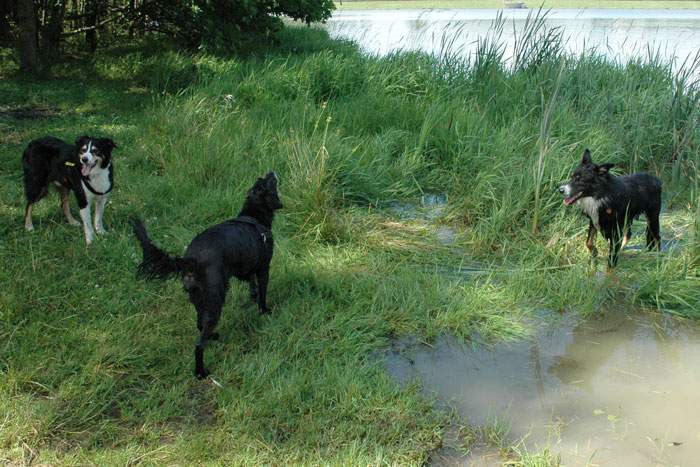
x=33 y=195
x=626 y=238
x=36 y=182
x=263 y=277
x=615 y=243
x=653 y=235
x=590 y=240
x=213 y=336
x=207 y=318
x=208 y=301
x=65 y=206
x=252 y=283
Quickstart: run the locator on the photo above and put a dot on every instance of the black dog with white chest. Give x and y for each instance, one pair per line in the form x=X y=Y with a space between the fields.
x=85 y=168
x=611 y=204
x=240 y=247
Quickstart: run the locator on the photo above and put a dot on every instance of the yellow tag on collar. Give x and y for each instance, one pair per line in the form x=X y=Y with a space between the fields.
x=70 y=164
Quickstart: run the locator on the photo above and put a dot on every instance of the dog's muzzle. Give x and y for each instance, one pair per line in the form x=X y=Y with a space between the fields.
x=569 y=197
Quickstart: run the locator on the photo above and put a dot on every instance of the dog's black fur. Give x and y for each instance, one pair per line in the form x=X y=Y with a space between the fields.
x=51 y=160
x=240 y=247
x=611 y=204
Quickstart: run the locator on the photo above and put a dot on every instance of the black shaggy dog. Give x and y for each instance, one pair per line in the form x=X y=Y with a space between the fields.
x=85 y=168
x=611 y=204
x=240 y=247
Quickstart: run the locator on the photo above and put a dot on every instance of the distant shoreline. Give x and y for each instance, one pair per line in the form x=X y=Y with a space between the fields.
x=468 y=4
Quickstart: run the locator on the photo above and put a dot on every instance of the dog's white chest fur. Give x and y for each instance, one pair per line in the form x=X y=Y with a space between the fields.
x=591 y=206
x=99 y=180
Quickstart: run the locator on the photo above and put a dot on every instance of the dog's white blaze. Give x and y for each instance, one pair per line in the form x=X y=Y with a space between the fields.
x=566 y=190
x=88 y=153
x=590 y=206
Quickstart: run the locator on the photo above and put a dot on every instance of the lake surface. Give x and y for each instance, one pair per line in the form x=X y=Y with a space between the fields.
x=614 y=390
x=619 y=34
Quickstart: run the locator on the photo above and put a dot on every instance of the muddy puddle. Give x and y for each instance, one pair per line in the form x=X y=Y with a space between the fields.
x=615 y=390
x=431 y=208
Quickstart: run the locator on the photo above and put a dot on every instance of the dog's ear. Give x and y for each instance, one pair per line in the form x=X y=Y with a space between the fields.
x=109 y=143
x=586 y=157
x=81 y=139
x=604 y=168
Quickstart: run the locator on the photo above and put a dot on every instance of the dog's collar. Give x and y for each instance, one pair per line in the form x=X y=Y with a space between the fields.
x=86 y=181
x=264 y=232
x=92 y=190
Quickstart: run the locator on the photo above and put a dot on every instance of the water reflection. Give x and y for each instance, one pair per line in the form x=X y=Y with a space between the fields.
x=619 y=34
x=616 y=390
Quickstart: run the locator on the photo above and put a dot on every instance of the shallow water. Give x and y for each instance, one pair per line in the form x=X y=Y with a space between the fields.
x=621 y=390
x=618 y=33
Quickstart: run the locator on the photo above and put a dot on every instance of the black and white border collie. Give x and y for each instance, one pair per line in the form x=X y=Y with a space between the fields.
x=611 y=204
x=85 y=168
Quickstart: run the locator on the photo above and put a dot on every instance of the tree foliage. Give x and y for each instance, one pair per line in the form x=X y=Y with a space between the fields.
x=40 y=29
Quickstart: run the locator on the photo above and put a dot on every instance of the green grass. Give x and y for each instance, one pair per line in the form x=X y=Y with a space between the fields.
x=461 y=4
x=97 y=366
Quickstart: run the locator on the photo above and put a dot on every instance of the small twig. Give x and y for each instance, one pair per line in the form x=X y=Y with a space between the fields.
x=216 y=383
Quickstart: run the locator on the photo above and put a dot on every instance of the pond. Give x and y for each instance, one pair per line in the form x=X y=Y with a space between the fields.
x=617 y=389
x=619 y=34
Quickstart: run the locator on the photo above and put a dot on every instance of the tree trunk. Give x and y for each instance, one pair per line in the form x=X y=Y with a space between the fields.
x=27 y=43
x=132 y=9
x=91 y=8
x=51 y=35
x=5 y=29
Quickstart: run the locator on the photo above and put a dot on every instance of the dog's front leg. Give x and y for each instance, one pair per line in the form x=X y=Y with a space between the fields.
x=87 y=225
x=262 y=290
x=28 y=225
x=84 y=206
x=99 y=211
x=590 y=240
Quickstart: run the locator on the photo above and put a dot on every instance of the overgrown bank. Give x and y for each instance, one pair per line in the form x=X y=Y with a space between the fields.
x=96 y=366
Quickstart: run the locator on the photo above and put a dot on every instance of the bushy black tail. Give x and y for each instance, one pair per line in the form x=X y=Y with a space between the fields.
x=157 y=264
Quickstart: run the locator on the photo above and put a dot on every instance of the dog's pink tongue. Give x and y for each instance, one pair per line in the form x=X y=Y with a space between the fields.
x=85 y=170
x=568 y=201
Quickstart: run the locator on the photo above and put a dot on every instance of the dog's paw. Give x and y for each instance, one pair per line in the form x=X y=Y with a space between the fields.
x=201 y=373
x=100 y=230
x=264 y=311
x=29 y=228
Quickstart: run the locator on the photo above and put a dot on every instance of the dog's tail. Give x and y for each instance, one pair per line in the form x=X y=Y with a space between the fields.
x=157 y=264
